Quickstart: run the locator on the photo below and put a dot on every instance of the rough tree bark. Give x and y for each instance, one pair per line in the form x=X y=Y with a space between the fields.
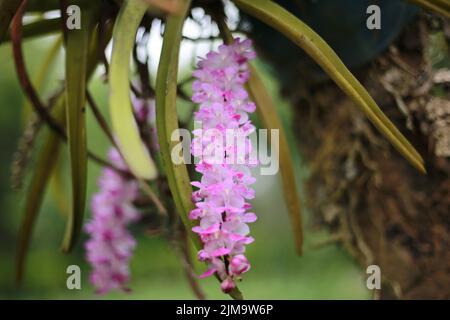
x=377 y=206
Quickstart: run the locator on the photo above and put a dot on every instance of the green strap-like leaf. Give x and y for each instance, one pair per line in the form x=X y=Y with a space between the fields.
x=47 y=159
x=77 y=49
x=36 y=190
x=39 y=6
x=167 y=121
x=57 y=187
x=124 y=124
x=439 y=6
x=38 y=28
x=283 y=21
x=41 y=76
x=7 y=10
x=267 y=113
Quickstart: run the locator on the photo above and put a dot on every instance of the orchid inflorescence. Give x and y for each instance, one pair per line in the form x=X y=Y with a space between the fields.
x=221 y=201
x=216 y=214
x=223 y=191
x=111 y=245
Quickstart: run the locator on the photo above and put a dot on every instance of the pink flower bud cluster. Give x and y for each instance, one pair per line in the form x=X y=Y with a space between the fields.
x=224 y=189
x=111 y=246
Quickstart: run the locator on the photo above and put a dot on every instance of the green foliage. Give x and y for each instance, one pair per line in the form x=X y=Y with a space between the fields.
x=441 y=7
x=39 y=28
x=167 y=118
x=269 y=117
x=77 y=48
x=124 y=125
x=85 y=49
x=285 y=22
x=36 y=190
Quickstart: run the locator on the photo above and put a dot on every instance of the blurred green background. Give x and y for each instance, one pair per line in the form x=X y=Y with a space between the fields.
x=277 y=272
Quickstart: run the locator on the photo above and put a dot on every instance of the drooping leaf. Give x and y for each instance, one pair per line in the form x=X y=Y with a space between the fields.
x=36 y=190
x=39 y=180
x=124 y=124
x=39 y=6
x=167 y=121
x=293 y=28
x=7 y=10
x=268 y=114
x=41 y=75
x=39 y=28
x=439 y=6
x=57 y=187
x=77 y=48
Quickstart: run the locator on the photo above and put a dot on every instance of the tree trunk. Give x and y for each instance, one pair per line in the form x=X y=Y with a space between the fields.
x=381 y=209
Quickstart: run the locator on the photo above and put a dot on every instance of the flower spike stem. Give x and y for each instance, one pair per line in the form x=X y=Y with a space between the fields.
x=267 y=113
x=167 y=121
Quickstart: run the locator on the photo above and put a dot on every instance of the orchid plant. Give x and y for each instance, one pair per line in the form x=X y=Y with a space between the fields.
x=139 y=171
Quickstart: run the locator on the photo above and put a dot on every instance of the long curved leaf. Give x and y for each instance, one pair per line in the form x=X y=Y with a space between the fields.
x=167 y=121
x=77 y=49
x=285 y=22
x=439 y=6
x=42 y=75
x=57 y=187
x=40 y=179
x=36 y=190
x=38 y=28
x=44 y=5
x=267 y=113
x=124 y=125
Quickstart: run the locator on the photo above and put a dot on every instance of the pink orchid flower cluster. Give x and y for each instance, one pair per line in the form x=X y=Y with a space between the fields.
x=111 y=245
x=223 y=191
